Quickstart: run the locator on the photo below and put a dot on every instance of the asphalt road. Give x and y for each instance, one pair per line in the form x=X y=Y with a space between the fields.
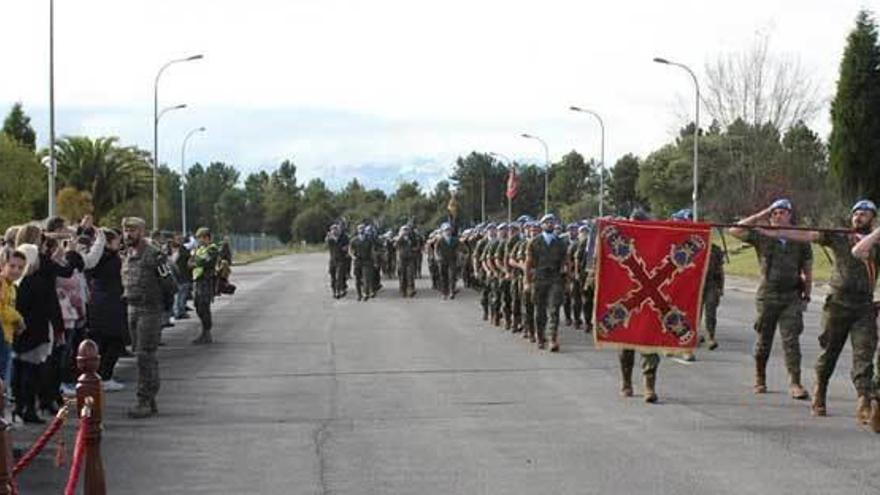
x=304 y=394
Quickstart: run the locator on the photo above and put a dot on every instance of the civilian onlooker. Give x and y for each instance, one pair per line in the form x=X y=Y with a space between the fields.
x=12 y=266
x=106 y=310
x=180 y=261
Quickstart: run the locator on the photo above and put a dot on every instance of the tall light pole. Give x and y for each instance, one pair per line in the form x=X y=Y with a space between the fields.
x=52 y=168
x=546 y=170
x=602 y=162
x=156 y=116
x=510 y=169
x=696 y=126
x=183 y=179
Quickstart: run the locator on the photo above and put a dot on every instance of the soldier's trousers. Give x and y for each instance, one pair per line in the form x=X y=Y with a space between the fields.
x=145 y=325
x=332 y=269
x=516 y=302
x=485 y=289
x=496 y=295
x=448 y=277
x=548 y=298
x=434 y=270
x=406 y=274
x=787 y=313
x=505 y=299
x=567 y=302
x=711 y=300
x=860 y=325
x=528 y=298
x=363 y=274
x=341 y=276
x=203 y=296
x=577 y=301
x=650 y=362
x=589 y=294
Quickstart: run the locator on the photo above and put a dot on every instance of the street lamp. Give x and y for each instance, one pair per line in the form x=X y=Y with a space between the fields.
x=696 y=125
x=183 y=178
x=52 y=167
x=156 y=116
x=602 y=163
x=546 y=170
x=510 y=166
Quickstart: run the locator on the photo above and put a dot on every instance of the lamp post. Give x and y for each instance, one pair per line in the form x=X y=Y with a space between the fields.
x=156 y=116
x=696 y=126
x=546 y=170
x=602 y=156
x=52 y=167
x=183 y=179
x=510 y=167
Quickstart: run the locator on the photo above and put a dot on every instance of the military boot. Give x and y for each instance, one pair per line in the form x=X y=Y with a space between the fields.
x=863 y=410
x=650 y=394
x=796 y=390
x=875 y=416
x=554 y=344
x=141 y=410
x=760 y=376
x=626 y=372
x=713 y=344
x=820 y=390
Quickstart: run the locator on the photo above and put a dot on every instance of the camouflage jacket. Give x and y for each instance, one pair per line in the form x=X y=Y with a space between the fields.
x=140 y=276
x=782 y=262
x=852 y=279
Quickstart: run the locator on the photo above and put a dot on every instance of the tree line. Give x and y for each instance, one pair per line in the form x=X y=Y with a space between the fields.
x=758 y=146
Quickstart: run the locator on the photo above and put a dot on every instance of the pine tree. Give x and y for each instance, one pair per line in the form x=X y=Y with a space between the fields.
x=17 y=126
x=854 y=145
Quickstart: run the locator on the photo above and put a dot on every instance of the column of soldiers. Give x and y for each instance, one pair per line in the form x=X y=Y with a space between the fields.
x=526 y=272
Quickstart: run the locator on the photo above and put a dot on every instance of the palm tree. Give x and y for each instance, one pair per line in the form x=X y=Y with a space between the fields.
x=112 y=174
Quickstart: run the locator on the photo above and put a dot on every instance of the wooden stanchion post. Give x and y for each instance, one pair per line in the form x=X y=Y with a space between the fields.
x=5 y=447
x=89 y=387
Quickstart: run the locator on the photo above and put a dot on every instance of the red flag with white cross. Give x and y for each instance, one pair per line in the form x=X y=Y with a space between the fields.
x=649 y=284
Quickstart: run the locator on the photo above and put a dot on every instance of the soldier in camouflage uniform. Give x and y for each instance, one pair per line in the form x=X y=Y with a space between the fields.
x=485 y=245
x=533 y=229
x=627 y=357
x=361 y=250
x=433 y=267
x=498 y=275
x=203 y=263
x=582 y=290
x=505 y=283
x=446 y=250
x=511 y=260
x=547 y=267
x=786 y=282
x=406 y=250
x=713 y=289
x=849 y=310
x=143 y=294
x=569 y=238
x=338 y=253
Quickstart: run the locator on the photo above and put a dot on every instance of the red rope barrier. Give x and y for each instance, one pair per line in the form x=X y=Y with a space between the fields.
x=79 y=455
x=39 y=445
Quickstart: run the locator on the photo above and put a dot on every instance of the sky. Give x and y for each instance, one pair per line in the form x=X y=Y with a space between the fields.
x=392 y=90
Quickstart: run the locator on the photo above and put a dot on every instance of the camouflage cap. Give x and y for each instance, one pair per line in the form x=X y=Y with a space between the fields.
x=203 y=231
x=136 y=222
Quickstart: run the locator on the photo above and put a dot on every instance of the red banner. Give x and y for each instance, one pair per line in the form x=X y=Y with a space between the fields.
x=512 y=183
x=649 y=284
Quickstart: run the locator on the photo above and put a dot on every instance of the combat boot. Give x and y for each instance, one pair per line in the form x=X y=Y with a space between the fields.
x=863 y=410
x=713 y=344
x=875 y=416
x=485 y=313
x=650 y=393
x=760 y=376
x=796 y=390
x=626 y=383
x=818 y=408
x=554 y=344
x=141 y=410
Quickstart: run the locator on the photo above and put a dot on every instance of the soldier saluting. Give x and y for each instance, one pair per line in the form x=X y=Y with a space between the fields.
x=849 y=310
x=786 y=282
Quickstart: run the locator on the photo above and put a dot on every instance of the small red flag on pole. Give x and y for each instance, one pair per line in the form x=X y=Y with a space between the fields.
x=512 y=183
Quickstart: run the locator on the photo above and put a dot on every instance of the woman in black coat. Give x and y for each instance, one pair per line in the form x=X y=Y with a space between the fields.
x=37 y=302
x=106 y=311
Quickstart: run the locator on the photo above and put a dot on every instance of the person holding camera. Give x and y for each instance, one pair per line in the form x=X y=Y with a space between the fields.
x=204 y=264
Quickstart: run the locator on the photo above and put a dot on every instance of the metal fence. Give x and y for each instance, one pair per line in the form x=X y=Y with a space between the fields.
x=253 y=243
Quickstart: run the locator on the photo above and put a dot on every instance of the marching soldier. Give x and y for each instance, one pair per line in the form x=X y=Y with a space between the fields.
x=849 y=310
x=582 y=300
x=505 y=280
x=569 y=238
x=361 y=250
x=533 y=230
x=490 y=237
x=337 y=261
x=786 y=282
x=433 y=267
x=650 y=361
x=496 y=275
x=547 y=266
x=446 y=250
x=407 y=251
x=516 y=276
